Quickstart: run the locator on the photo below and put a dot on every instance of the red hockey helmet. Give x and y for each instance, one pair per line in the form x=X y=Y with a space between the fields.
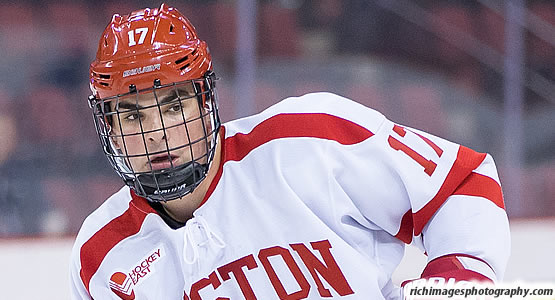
x=148 y=54
x=146 y=45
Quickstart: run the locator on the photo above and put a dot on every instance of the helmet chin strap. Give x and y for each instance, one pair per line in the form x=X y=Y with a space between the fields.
x=165 y=186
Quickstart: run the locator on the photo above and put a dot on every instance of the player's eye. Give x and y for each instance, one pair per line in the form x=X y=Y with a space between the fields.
x=175 y=107
x=132 y=116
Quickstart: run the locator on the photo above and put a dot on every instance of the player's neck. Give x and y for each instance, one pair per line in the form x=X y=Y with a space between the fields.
x=182 y=209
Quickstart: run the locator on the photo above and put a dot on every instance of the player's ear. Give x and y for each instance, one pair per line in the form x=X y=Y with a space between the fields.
x=116 y=143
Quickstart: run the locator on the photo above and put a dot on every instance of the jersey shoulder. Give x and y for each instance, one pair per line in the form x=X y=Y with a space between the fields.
x=113 y=207
x=320 y=103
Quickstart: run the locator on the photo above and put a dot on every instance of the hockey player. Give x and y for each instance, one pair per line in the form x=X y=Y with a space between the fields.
x=313 y=198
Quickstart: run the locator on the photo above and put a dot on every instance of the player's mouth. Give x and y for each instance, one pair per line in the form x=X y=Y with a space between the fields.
x=163 y=161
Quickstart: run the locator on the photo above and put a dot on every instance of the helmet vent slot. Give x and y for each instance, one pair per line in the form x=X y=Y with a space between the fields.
x=104 y=83
x=104 y=76
x=177 y=62
x=171 y=27
x=185 y=66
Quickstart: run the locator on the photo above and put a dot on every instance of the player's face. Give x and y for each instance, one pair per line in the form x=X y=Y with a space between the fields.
x=172 y=133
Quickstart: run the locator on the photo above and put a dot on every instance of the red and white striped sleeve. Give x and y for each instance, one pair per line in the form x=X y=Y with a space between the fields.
x=462 y=223
x=468 y=237
x=423 y=188
x=459 y=214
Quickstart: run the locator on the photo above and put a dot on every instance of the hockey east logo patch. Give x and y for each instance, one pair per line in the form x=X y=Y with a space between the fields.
x=123 y=283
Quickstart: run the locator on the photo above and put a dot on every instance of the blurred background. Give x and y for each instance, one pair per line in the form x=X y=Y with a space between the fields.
x=480 y=73
x=459 y=69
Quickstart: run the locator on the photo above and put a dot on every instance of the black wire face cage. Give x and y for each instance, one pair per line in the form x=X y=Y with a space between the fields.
x=161 y=140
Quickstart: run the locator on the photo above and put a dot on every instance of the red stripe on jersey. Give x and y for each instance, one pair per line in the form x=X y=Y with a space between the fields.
x=482 y=186
x=405 y=231
x=467 y=160
x=127 y=224
x=316 y=125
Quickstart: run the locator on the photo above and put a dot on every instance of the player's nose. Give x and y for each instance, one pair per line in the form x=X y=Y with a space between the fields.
x=155 y=129
x=157 y=136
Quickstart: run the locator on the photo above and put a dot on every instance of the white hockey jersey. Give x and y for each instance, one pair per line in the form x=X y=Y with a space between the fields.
x=315 y=198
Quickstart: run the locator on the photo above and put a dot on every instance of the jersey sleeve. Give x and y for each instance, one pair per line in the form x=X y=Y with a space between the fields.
x=90 y=248
x=470 y=231
x=95 y=288
x=424 y=189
